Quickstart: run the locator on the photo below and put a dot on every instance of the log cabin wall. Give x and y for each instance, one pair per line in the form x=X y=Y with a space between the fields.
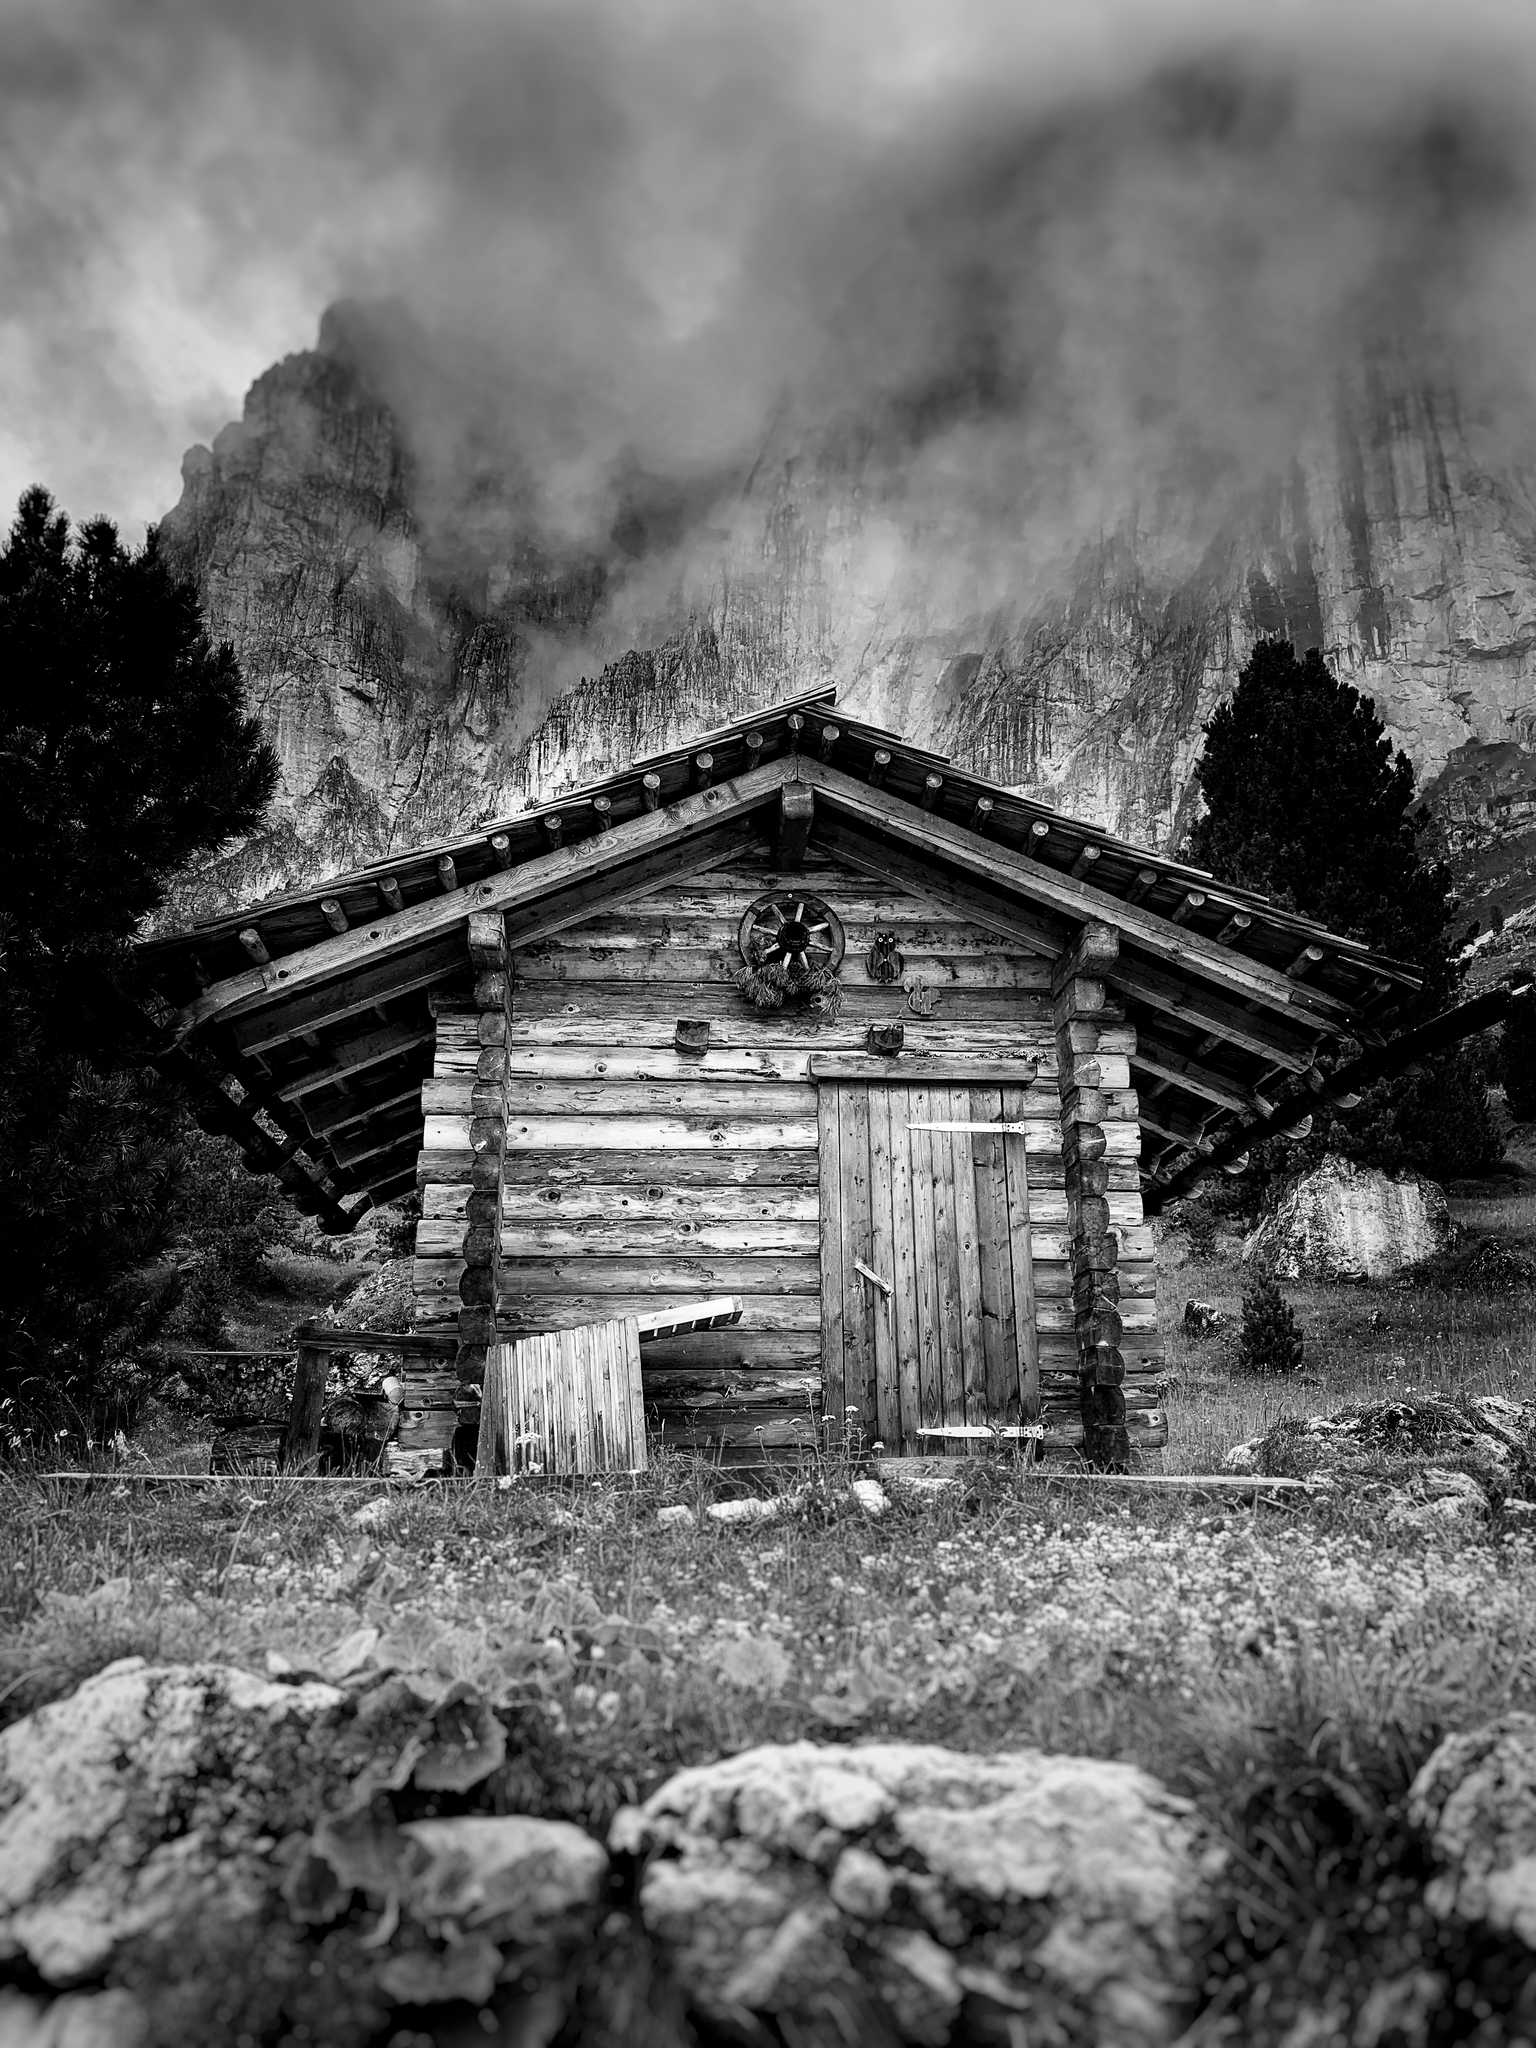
x=635 y=1175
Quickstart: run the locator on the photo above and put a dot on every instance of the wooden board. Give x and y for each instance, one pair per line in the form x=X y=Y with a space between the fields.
x=998 y=1323
x=859 y=1294
x=564 y=1402
x=832 y=1242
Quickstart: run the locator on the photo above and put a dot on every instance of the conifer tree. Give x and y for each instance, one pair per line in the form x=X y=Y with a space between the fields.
x=1270 y=1340
x=1518 y=1058
x=1306 y=800
x=125 y=749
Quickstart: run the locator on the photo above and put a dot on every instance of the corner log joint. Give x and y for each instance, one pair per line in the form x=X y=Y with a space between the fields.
x=1079 y=997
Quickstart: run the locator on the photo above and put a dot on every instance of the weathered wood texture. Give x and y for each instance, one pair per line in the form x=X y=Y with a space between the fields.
x=1110 y=1263
x=941 y=1215
x=635 y=1173
x=568 y=1401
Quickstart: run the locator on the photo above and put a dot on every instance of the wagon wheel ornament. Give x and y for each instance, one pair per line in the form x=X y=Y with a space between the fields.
x=799 y=933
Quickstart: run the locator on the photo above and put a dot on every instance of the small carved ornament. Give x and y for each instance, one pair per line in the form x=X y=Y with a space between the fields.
x=883 y=962
x=922 y=999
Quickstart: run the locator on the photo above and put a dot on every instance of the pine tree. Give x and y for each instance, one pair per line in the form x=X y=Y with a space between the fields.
x=1270 y=1341
x=1306 y=800
x=125 y=749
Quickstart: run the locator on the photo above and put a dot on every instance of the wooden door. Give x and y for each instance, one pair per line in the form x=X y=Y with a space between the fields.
x=928 y=1310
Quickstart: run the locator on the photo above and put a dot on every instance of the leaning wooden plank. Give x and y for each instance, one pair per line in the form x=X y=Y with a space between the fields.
x=301 y=1439
x=490 y=1445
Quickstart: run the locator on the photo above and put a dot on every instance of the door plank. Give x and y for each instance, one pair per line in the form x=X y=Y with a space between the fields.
x=831 y=1222
x=998 y=1323
x=930 y=1385
x=882 y=1257
x=1025 y=1319
x=904 y=1267
x=858 y=1294
x=973 y=1368
x=947 y=1262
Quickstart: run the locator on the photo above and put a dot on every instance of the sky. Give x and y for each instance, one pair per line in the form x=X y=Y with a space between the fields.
x=1079 y=243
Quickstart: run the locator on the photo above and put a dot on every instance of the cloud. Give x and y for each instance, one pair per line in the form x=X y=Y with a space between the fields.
x=1039 y=264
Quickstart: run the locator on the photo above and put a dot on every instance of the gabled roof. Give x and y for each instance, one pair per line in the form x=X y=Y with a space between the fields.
x=310 y=1011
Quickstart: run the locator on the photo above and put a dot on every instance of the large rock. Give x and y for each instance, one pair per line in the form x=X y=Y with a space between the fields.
x=186 y=1840
x=900 y=1884
x=1347 y=1222
x=1435 y=1465
x=1475 y=1802
x=128 y=1811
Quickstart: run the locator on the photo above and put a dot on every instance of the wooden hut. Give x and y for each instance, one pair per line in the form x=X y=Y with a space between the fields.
x=922 y=1173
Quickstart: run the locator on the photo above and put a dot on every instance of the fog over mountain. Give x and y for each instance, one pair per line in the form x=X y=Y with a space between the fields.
x=1009 y=367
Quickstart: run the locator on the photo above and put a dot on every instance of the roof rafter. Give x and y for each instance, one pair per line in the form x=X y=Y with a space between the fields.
x=552 y=874
x=1176 y=946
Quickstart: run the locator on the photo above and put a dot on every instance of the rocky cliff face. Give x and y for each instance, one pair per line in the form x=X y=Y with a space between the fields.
x=417 y=678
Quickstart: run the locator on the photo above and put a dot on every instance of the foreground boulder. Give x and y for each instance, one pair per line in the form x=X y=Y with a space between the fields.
x=1431 y=1462
x=1347 y=1222
x=1475 y=1804
x=190 y=1852
x=903 y=1890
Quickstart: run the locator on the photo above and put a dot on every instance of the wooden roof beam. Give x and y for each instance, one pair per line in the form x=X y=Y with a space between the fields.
x=325 y=1126
x=1246 y=980
x=525 y=884
x=357 y=996
x=1169 y=1070
x=354 y=1057
x=1255 y=1032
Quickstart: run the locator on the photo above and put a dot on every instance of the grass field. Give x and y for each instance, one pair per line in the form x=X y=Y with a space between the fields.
x=1257 y=1657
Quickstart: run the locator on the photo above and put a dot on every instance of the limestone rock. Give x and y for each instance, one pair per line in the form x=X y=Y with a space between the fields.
x=871 y=1497
x=678 y=1516
x=1435 y=1463
x=164 y=1829
x=1475 y=1802
x=87 y=1865
x=1347 y=1222
x=919 y=1482
x=1068 y=1890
